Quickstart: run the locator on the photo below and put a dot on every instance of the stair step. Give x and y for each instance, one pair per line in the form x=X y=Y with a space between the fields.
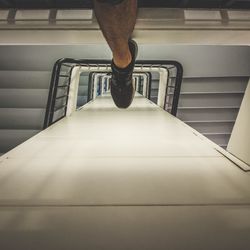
x=21 y=118
x=155 y=84
x=154 y=92
x=211 y=100
x=10 y=138
x=23 y=98
x=220 y=139
x=215 y=84
x=219 y=114
x=154 y=99
x=210 y=121
x=212 y=93
x=84 y=80
x=209 y=107
x=81 y=100
x=25 y=79
x=83 y=90
x=212 y=127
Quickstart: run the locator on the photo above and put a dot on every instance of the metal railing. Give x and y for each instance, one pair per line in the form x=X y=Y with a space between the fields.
x=61 y=77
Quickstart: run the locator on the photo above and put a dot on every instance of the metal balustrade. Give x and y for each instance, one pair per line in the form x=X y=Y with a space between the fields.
x=61 y=79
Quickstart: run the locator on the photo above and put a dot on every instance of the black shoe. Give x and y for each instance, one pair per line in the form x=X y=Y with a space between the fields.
x=122 y=87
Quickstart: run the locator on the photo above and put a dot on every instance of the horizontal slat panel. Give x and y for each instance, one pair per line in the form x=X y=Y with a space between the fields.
x=197 y=60
x=84 y=80
x=83 y=90
x=58 y=114
x=11 y=138
x=155 y=75
x=232 y=84
x=81 y=100
x=212 y=127
x=239 y=14
x=21 y=118
x=217 y=93
x=4 y=14
x=25 y=79
x=154 y=92
x=202 y=14
x=32 y=14
x=23 y=98
x=62 y=91
x=60 y=102
x=154 y=99
x=74 y=14
x=220 y=139
x=207 y=114
x=155 y=84
x=210 y=100
x=159 y=14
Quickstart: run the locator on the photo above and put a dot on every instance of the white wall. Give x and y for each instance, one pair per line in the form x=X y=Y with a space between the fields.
x=239 y=144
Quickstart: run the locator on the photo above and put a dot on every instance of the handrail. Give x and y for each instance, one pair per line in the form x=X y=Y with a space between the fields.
x=70 y=63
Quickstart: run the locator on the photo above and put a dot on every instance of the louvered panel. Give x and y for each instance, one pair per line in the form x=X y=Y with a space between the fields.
x=212 y=126
x=210 y=105
x=214 y=84
x=221 y=139
x=211 y=100
x=23 y=98
x=21 y=118
x=24 y=79
x=206 y=114
x=10 y=138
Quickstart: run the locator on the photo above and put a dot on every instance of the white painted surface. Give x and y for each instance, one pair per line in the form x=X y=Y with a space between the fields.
x=202 y=15
x=158 y=37
x=74 y=14
x=73 y=90
x=32 y=14
x=122 y=228
x=239 y=144
x=106 y=178
x=162 y=87
x=4 y=14
x=238 y=15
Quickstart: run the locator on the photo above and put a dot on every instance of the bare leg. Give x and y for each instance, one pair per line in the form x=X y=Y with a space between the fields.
x=117 y=24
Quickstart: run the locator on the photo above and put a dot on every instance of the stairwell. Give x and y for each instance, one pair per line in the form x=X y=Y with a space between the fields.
x=23 y=99
x=209 y=104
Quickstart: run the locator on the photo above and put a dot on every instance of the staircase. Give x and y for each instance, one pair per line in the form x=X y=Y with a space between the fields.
x=209 y=105
x=23 y=98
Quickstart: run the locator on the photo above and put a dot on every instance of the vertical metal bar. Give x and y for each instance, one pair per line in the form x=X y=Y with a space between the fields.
x=166 y=92
x=149 y=85
x=90 y=85
x=177 y=89
x=53 y=102
x=51 y=93
x=55 y=82
x=69 y=81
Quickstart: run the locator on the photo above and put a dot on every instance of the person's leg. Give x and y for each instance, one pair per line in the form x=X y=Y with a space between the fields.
x=117 y=23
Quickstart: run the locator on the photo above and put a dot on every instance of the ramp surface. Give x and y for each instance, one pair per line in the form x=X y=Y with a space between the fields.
x=106 y=178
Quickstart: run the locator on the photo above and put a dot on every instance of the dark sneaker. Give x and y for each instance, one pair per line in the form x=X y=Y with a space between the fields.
x=122 y=87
